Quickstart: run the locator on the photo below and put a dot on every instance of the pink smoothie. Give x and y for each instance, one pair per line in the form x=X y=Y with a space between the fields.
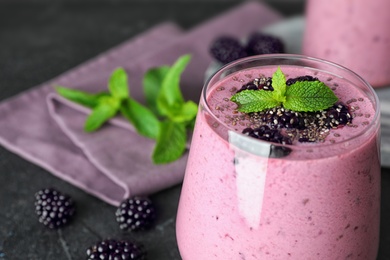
x=354 y=34
x=319 y=202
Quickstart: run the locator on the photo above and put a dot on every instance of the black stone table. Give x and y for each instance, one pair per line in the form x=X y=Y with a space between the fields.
x=39 y=39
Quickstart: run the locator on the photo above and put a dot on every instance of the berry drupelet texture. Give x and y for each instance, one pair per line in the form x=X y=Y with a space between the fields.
x=291 y=81
x=134 y=214
x=260 y=43
x=53 y=208
x=226 y=49
x=111 y=249
x=266 y=133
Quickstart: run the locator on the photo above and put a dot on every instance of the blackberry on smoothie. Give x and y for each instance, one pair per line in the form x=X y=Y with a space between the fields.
x=284 y=164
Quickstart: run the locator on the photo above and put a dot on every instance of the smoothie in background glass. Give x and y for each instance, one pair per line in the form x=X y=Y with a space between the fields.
x=244 y=198
x=354 y=34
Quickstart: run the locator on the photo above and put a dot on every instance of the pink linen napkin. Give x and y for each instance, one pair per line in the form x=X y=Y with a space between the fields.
x=114 y=162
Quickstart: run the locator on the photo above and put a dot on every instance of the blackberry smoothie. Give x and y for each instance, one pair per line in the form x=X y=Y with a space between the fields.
x=352 y=33
x=306 y=194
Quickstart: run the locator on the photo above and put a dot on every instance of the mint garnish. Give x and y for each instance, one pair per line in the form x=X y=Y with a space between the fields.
x=255 y=100
x=279 y=85
x=302 y=96
x=171 y=142
x=309 y=96
x=166 y=117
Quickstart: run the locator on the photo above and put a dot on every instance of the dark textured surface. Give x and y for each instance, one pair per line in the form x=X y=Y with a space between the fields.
x=38 y=41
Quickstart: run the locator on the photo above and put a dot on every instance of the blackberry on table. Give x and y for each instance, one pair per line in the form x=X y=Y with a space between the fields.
x=116 y=250
x=260 y=43
x=134 y=214
x=53 y=208
x=226 y=49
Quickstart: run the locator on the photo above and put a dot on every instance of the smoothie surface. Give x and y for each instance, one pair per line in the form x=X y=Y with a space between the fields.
x=360 y=106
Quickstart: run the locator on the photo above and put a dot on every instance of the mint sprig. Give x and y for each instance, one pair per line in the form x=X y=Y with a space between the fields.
x=302 y=96
x=166 y=117
x=309 y=96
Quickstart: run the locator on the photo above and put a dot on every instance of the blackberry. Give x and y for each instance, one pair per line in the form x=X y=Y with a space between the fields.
x=264 y=83
x=338 y=115
x=279 y=117
x=226 y=49
x=279 y=151
x=248 y=86
x=137 y=213
x=53 y=208
x=259 y=43
x=266 y=133
x=300 y=78
x=116 y=250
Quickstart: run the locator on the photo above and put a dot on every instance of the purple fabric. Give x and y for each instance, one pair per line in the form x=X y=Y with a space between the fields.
x=114 y=162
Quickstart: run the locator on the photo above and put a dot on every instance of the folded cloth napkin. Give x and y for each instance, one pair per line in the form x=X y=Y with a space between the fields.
x=114 y=162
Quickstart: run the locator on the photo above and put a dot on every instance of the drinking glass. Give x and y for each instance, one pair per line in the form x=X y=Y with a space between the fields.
x=354 y=34
x=244 y=198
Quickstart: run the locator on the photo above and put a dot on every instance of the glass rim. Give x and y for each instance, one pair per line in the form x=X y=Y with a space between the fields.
x=375 y=99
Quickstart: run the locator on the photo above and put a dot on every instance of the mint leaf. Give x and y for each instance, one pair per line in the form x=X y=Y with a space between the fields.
x=187 y=112
x=152 y=84
x=254 y=100
x=170 y=98
x=80 y=97
x=279 y=85
x=117 y=84
x=144 y=121
x=171 y=142
x=106 y=109
x=309 y=96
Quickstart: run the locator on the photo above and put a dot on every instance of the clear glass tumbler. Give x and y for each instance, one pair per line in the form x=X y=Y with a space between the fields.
x=244 y=198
